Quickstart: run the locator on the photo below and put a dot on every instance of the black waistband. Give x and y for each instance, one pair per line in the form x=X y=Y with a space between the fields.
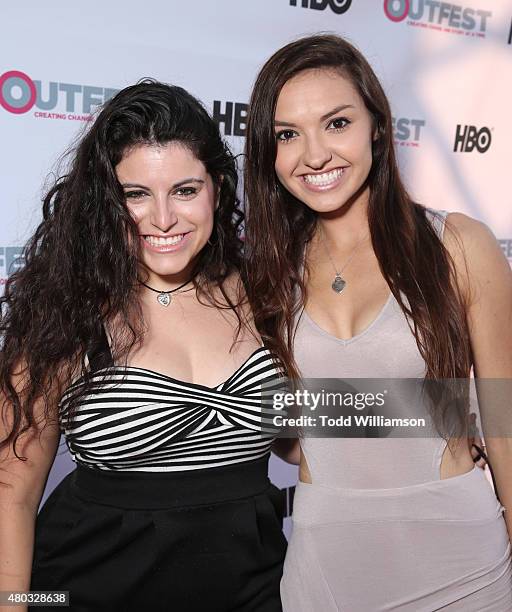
x=149 y=490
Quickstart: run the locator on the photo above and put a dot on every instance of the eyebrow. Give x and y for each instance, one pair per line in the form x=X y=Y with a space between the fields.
x=191 y=179
x=322 y=118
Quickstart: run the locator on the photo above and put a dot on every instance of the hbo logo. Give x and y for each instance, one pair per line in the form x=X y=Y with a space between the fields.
x=468 y=137
x=338 y=6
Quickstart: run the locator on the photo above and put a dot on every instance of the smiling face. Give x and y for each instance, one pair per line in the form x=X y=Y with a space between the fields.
x=324 y=140
x=171 y=197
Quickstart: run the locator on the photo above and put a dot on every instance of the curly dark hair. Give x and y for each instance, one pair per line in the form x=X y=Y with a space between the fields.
x=82 y=263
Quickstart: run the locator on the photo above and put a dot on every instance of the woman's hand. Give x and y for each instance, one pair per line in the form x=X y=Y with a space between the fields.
x=476 y=444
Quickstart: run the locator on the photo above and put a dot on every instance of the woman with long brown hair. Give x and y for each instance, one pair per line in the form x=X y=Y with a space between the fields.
x=348 y=277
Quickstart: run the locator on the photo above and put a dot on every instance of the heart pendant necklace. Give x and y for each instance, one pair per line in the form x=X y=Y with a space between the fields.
x=164 y=298
x=339 y=283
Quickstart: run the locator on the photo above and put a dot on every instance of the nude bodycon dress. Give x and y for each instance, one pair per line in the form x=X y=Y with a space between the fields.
x=378 y=529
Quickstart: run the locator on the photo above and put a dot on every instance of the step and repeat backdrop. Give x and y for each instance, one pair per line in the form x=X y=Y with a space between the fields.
x=446 y=67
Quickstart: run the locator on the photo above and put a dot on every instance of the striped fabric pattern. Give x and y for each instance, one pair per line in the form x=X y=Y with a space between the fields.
x=136 y=419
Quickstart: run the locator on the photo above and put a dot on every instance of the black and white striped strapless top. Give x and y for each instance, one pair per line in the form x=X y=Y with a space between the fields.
x=136 y=419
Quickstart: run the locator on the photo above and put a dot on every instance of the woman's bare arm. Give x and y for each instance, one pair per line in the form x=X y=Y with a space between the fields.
x=487 y=278
x=21 y=487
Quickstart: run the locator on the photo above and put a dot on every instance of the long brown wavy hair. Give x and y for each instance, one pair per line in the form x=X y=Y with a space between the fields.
x=412 y=258
x=81 y=265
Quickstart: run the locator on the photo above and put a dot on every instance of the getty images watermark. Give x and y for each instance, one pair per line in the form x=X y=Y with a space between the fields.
x=348 y=410
x=381 y=408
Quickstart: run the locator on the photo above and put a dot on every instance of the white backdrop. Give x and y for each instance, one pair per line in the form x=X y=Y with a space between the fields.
x=446 y=67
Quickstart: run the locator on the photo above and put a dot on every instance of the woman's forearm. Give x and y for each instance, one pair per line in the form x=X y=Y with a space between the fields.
x=17 y=522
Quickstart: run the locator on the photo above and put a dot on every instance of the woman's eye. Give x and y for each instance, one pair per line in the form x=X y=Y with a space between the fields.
x=186 y=191
x=285 y=135
x=134 y=195
x=340 y=123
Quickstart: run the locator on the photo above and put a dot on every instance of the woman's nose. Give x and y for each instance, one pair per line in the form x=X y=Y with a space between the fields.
x=163 y=215
x=316 y=154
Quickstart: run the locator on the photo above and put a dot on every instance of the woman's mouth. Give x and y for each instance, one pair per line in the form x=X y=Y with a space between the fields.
x=165 y=244
x=324 y=181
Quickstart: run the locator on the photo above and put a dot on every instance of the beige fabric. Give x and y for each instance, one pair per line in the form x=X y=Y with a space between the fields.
x=378 y=529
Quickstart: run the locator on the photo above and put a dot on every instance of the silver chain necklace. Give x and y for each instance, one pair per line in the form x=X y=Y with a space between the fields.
x=339 y=283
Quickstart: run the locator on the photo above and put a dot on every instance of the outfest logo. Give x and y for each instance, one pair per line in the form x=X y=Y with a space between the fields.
x=11 y=259
x=442 y=16
x=506 y=246
x=20 y=94
x=407 y=131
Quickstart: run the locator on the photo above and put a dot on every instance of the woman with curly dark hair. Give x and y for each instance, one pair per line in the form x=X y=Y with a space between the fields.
x=128 y=330
x=349 y=278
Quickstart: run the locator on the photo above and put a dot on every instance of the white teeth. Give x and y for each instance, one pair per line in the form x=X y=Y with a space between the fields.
x=158 y=241
x=325 y=178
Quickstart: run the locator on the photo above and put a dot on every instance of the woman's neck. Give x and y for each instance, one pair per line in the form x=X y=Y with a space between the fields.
x=346 y=227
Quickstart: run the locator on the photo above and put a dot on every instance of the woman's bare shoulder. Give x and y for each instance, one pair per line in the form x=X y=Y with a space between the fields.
x=475 y=251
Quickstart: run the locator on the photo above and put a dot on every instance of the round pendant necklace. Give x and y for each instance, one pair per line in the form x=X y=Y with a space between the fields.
x=339 y=283
x=164 y=298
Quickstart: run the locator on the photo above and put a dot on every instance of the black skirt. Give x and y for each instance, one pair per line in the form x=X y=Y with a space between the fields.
x=207 y=540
